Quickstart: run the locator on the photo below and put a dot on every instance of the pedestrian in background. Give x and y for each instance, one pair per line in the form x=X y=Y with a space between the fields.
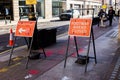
x=111 y=14
x=101 y=14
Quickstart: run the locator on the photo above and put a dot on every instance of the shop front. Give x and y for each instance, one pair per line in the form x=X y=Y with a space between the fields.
x=6 y=9
x=58 y=6
x=45 y=9
x=24 y=9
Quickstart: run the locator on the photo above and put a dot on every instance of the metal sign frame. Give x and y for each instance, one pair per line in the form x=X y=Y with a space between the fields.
x=28 y=45
x=90 y=38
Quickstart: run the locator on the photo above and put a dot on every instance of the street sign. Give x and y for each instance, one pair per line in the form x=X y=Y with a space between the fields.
x=104 y=6
x=80 y=27
x=25 y=28
x=28 y=2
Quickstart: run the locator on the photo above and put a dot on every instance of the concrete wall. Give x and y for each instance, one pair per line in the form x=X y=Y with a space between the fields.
x=16 y=9
x=48 y=9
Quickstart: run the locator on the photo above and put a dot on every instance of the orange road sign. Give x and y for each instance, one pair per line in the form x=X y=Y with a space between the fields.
x=80 y=27
x=25 y=28
x=31 y=2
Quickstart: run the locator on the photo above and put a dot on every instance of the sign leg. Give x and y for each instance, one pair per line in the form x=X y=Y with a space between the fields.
x=44 y=52
x=11 y=53
x=67 y=51
x=94 y=46
x=29 y=52
x=26 y=42
x=76 y=46
x=88 y=52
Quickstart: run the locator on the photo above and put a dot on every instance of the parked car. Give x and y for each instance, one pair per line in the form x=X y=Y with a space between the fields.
x=66 y=15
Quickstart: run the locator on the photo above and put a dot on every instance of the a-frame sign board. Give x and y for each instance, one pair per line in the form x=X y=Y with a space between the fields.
x=24 y=29
x=81 y=27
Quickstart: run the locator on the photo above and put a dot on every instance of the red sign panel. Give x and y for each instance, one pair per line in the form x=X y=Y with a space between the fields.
x=25 y=28
x=80 y=27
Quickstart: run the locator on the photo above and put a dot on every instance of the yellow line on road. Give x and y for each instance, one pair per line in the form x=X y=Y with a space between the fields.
x=15 y=65
x=5 y=69
x=10 y=49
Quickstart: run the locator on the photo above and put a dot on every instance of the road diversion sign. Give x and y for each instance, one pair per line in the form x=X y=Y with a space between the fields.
x=28 y=2
x=25 y=28
x=80 y=27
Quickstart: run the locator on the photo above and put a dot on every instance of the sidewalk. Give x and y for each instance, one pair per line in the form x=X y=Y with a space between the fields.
x=42 y=23
x=106 y=46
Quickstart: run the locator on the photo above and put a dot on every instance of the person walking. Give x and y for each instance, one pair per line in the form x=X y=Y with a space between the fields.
x=101 y=15
x=111 y=14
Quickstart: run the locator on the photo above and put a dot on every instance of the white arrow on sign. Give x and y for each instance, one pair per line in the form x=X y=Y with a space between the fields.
x=21 y=30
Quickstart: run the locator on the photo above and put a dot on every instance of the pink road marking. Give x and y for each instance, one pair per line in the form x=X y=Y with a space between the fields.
x=79 y=51
x=33 y=72
x=49 y=53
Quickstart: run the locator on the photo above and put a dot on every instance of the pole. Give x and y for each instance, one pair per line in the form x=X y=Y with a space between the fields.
x=66 y=55
x=115 y=5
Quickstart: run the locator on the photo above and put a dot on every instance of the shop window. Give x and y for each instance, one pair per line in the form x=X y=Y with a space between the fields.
x=6 y=8
x=23 y=9
x=56 y=8
x=40 y=8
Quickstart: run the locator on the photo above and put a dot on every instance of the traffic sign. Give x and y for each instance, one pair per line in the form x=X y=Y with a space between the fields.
x=31 y=2
x=80 y=27
x=25 y=28
x=104 y=6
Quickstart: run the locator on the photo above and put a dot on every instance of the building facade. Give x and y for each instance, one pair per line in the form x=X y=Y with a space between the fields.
x=46 y=9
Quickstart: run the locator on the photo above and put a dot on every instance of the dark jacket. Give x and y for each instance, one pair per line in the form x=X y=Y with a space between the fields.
x=102 y=14
x=111 y=13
